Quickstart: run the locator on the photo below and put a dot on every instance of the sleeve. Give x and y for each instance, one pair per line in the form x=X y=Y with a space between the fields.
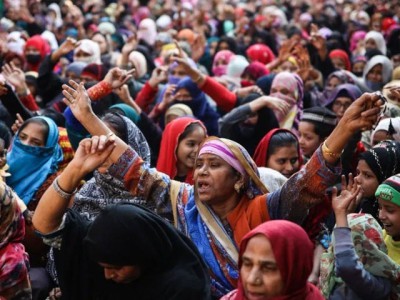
x=29 y=102
x=146 y=96
x=352 y=271
x=225 y=99
x=142 y=181
x=303 y=190
x=227 y=123
x=49 y=84
x=13 y=105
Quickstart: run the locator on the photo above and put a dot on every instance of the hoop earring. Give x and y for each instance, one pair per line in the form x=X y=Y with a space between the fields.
x=238 y=187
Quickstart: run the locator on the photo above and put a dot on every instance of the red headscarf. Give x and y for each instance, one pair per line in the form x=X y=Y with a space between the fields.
x=41 y=45
x=338 y=53
x=260 y=155
x=261 y=53
x=293 y=252
x=167 y=159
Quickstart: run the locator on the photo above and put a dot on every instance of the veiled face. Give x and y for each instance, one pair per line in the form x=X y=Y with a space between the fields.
x=120 y=274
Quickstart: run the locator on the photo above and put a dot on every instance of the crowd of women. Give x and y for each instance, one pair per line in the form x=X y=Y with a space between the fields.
x=231 y=150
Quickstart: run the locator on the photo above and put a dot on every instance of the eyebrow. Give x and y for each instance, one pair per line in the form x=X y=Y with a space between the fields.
x=262 y=262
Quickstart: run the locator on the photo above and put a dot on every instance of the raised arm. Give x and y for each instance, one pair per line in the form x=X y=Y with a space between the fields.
x=90 y=154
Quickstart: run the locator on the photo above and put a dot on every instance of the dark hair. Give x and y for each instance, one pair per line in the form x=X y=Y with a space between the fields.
x=322 y=130
x=280 y=140
x=5 y=134
x=57 y=117
x=117 y=123
x=40 y=122
x=188 y=130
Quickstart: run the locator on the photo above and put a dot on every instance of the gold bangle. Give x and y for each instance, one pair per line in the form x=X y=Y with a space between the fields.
x=327 y=151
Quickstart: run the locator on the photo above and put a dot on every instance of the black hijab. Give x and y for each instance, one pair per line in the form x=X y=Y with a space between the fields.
x=126 y=234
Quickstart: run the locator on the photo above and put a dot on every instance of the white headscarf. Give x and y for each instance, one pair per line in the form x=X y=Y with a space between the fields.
x=15 y=42
x=147 y=31
x=379 y=40
x=89 y=47
x=384 y=126
x=387 y=67
x=58 y=22
x=139 y=62
x=51 y=39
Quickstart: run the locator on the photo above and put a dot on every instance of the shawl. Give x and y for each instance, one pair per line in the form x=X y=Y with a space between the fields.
x=14 y=261
x=31 y=165
x=295 y=86
x=123 y=235
x=199 y=105
x=103 y=190
x=41 y=45
x=216 y=243
x=167 y=159
x=293 y=252
x=378 y=39
x=261 y=53
x=260 y=155
x=372 y=252
x=342 y=55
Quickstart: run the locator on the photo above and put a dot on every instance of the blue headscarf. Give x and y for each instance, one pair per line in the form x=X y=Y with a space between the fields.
x=199 y=105
x=31 y=165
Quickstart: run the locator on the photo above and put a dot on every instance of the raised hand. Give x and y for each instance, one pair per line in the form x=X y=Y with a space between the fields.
x=159 y=75
x=77 y=98
x=286 y=50
x=129 y=46
x=17 y=123
x=68 y=45
x=277 y=105
x=245 y=91
x=15 y=76
x=318 y=41
x=117 y=77
x=363 y=113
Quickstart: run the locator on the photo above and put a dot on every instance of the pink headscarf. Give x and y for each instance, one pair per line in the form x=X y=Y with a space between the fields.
x=225 y=55
x=355 y=38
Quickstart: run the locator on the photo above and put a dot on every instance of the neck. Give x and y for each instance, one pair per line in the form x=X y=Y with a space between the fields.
x=223 y=208
x=181 y=170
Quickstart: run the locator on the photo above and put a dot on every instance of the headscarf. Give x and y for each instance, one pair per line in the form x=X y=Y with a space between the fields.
x=41 y=45
x=128 y=111
x=103 y=190
x=393 y=42
x=343 y=56
x=167 y=159
x=51 y=39
x=272 y=179
x=355 y=38
x=96 y=72
x=261 y=53
x=76 y=67
x=260 y=155
x=15 y=42
x=164 y=22
x=179 y=110
x=342 y=76
x=129 y=235
x=379 y=40
x=147 y=31
x=391 y=126
x=236 y=66
x=370 y=247
x=387 y=69
x=90 y=47
x=188 y=35
x=254 y=70
x=293 y=253
x=295 y=86
x=14 y=261
x=199 y=105
x=138 y=61
x=58 y=22
x=383 y=159
x=31 y=165
x=344 y=90
x=222 y=55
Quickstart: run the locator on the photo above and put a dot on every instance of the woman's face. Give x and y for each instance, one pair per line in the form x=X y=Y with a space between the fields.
x=358 y=68
x=340 y=105
x=375 y=74
x=187 y=149
x=338 y=63
x=178 y=71
x=332 y=83
x=260 y=275
x=99 y=39
x=309 y=141
x=183 y=95
x=366 y=178
x=120 y=274
x=214 y=180
x=281 y=89
x=284 y=160
x=370 y=44
x=33 y=135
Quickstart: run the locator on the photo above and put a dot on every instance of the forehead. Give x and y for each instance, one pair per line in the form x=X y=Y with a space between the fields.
x=209 y=157
x=388 y=204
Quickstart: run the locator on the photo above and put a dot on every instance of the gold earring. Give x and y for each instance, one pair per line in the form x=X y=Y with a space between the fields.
x=238 y=187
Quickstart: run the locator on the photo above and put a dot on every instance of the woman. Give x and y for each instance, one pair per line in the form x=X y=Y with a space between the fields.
x=377 y=72
x=227 y=199
x=280 y=151
x=36 y=48
x=387 y=129
x=342 y=97
x=275 y=261
x=179 y=146
x=102 y=189
x=33 y=158
x=340 y=59
x=221 y=61
x=375 y=40
x=252 y=73
x=14 y=263
x=88 y=52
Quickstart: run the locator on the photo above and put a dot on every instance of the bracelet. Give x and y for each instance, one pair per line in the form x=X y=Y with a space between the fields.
x=327 y=151
x=198 y=78
x=63 y=194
